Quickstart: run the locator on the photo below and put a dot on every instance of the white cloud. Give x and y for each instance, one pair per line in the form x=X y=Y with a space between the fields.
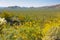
x=5 y=4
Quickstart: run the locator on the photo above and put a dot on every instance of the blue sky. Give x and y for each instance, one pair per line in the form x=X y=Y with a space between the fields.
x=28 y=3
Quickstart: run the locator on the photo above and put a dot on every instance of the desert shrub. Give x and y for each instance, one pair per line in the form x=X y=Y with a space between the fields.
x=51 y=30
x=22 y=32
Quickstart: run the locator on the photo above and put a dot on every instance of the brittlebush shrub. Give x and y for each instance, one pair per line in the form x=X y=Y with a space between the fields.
x=51 y=30
x=22 y=32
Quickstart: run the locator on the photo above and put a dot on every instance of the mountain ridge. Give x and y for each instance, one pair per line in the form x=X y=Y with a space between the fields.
x=52 y=6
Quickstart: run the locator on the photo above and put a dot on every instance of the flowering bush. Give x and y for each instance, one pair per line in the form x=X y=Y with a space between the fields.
x=2 y=21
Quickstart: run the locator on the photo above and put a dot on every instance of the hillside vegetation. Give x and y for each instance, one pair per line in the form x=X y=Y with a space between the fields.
x=34 y=24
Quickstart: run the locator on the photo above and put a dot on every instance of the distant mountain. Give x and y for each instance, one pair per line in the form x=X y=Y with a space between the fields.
x=53 y=6
x=24 y=8
x=13 y=7
x=56 y=6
